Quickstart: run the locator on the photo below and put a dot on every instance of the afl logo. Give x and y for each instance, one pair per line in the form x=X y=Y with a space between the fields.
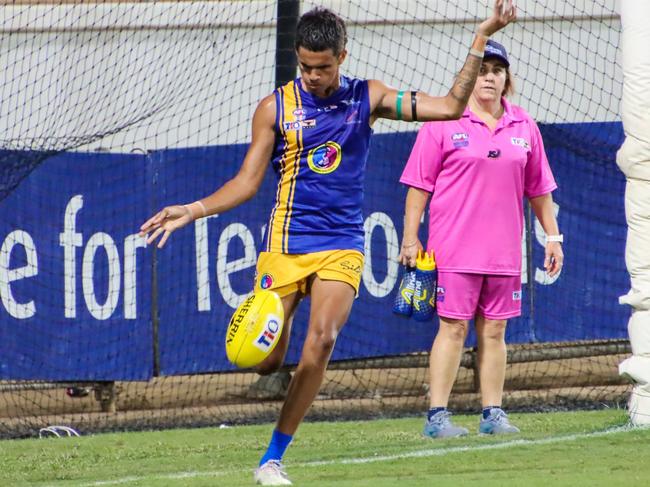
x=299 y=114
x=325 y=158
x=266 y=281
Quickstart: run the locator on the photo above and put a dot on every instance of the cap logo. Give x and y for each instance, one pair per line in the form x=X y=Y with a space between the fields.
x=493 y=50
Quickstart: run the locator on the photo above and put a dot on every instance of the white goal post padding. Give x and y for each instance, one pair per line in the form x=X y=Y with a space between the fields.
x=634 y=160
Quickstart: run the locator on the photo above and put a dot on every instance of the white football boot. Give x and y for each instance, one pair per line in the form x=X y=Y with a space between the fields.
x=271 y=473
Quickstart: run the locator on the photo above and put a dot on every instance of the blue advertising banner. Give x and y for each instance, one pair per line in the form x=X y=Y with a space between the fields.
x=583 y=303
x=83 y=298
x=75 y=281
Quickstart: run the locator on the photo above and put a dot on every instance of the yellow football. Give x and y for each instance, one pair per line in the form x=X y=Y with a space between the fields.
x=254 y=329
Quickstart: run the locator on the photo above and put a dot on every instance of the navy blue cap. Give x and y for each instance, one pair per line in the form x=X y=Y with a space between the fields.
x=495 y=50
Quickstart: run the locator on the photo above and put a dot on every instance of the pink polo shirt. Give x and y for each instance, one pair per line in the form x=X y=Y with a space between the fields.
x=478 y=179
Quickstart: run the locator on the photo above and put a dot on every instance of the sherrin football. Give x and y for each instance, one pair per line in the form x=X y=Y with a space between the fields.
x=254 y=329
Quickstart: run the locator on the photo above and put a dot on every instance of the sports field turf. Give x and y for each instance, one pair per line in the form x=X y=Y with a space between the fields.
x=584 y=448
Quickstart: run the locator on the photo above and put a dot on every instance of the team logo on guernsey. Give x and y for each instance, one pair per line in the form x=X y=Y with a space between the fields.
x=353 y=117
x=266 y=281
x=325 y=158
x=460 y=139
x=520 y=142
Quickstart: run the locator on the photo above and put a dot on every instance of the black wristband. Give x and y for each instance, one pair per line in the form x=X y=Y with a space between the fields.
x=414 y=111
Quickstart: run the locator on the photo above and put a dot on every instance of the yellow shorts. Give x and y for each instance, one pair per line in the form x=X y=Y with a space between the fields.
x=288 y=273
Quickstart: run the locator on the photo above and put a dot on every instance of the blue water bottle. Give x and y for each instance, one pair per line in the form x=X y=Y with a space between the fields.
x=426 y=277
x=403 y=304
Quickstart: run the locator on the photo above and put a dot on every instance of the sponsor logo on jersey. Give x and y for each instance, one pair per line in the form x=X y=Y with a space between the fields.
x=327 y=108
x=299 y=124
x=516 y=295
x=350 y=102
x=325 y=158
x=520 y=142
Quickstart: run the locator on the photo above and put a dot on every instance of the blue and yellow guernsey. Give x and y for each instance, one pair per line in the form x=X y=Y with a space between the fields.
x=320 y=157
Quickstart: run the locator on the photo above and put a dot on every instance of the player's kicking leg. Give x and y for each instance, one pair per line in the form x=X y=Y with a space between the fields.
x=331 y=302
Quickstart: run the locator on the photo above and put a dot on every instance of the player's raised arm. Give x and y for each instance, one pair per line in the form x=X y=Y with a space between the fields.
x=394 y=104
x=234 y=192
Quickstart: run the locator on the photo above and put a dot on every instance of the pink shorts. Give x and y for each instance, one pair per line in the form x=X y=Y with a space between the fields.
x=461 y=296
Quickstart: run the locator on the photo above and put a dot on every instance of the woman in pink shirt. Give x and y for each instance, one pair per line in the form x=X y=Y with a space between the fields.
x=477 y=170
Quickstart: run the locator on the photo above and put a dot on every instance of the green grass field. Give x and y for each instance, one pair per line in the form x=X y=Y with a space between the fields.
x=555 y=449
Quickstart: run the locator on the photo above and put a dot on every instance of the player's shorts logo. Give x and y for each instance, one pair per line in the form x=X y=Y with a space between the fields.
x=351 y=266
x=440 y=294
x=325 y=158
x=266 y=281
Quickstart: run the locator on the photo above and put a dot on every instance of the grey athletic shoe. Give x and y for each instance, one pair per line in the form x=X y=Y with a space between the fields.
x=440 y=426
x=497 y=423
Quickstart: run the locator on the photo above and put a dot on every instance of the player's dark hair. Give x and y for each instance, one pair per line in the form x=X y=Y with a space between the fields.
x=321 y=29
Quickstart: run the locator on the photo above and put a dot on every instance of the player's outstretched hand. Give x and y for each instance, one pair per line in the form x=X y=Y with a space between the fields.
x=165 y=222
x=504 y=13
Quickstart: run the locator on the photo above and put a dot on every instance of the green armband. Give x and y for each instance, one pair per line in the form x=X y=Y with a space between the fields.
x=398 y=106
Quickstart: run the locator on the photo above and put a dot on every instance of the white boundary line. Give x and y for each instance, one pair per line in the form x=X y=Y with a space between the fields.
x=431 y=452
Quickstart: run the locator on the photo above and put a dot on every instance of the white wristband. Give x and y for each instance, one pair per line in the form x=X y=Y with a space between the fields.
x=205 y=210
x=555 y=238
x=190 y=210
x=476 y=52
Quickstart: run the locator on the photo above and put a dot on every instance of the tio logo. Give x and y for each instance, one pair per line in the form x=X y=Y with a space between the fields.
x=268 y=335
